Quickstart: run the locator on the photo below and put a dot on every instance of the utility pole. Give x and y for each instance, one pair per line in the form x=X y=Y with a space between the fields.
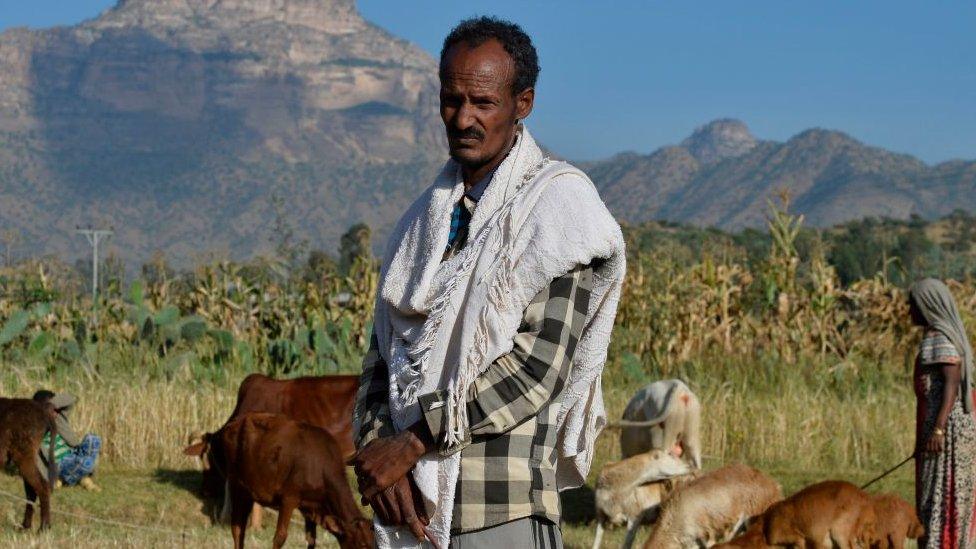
x=10 y=239
x=95 y=236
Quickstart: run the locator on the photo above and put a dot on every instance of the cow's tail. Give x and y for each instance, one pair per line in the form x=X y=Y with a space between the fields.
x=225 y=509
x=52 y=464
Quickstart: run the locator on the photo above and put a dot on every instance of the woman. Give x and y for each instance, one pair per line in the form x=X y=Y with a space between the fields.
x=76 y=456
x=945 y=430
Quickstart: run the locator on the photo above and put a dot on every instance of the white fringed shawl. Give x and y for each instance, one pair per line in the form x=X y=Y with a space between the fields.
x=441 y=324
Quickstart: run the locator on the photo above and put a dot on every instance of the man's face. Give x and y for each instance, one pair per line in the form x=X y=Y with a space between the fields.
x=478 y=105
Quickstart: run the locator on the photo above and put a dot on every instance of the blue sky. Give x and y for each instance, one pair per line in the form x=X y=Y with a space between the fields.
x=635 y=75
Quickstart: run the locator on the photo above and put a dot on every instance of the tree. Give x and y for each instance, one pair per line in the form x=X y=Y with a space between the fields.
x=355 y=243
x=289 y=248
x=318 y=266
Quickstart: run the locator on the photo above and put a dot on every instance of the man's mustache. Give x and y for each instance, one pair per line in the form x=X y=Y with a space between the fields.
x=470 y=133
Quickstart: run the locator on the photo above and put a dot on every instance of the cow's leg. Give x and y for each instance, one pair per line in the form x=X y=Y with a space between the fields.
x=284 y=519
x=257 y=516
x=31 y=495
x=310 y=532
x=240 y=508
x=35 y=482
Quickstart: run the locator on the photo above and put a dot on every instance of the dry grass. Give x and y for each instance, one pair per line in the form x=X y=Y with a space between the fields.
x=799 y=429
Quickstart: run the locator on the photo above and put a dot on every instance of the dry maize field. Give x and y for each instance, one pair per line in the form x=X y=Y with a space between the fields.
x=797 y=375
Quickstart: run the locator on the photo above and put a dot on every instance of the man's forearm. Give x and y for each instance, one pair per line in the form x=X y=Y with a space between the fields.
x=372 y=413
x=521 y=383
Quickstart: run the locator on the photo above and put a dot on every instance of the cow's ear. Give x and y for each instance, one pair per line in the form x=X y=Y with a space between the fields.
x=331 y=523
x=195 y=449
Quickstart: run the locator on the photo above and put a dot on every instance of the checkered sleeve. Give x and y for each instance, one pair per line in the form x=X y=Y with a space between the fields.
x=519 y=384
x=372 y=413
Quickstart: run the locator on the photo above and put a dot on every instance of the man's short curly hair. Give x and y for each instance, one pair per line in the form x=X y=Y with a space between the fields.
x=478 y=30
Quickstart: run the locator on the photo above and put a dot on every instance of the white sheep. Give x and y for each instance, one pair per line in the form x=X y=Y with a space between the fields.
x=629 y=491
x=712 y=507
x=662 y=415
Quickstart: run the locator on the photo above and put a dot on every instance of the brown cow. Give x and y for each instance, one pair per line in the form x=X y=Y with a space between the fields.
x=287 y=465
x=322 y=401
x=23 y=423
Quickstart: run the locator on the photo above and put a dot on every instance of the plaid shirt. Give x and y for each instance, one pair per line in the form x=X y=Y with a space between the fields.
x=508 y=457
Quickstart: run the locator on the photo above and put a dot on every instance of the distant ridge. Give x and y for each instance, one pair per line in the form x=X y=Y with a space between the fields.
x=176 y=121
x=722 y=176
x=182 y=123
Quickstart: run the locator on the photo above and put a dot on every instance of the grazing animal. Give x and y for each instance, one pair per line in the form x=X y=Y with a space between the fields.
x=821 y=515
x=322 y=401
x=281 y=463
x=896 y=521
x=23 y=423
x=752 y=538
x=629 y=491
x=660 y=416
x=712 y=507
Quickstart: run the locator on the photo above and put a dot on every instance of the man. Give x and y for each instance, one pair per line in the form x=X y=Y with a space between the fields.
x=76 y=456
x=480 y=394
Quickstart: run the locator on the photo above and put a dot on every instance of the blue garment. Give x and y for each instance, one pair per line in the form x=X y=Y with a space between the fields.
x=460 y=218
x=80 y=461
x=461 y=215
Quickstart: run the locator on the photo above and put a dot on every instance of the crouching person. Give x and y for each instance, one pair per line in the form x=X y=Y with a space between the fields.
x=76 y=456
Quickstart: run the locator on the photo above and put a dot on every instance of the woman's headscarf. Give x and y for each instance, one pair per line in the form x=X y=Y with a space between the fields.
x=938 y=308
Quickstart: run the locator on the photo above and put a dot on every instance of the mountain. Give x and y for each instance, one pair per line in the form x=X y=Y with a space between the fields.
x=198 y=126
x=721 y=175
x=182 y=122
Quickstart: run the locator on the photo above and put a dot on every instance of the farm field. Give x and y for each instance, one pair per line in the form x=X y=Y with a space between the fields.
x=166 y=499
x=799 y=433
x=799 y=374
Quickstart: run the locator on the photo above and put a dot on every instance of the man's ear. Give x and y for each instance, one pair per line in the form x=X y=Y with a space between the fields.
x=524 y=102
x=331 y=523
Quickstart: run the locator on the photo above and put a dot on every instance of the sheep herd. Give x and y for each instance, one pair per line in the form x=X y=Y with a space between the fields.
x=659 y=482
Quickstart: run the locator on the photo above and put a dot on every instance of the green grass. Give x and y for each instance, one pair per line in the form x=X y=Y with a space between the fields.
x=163 y=502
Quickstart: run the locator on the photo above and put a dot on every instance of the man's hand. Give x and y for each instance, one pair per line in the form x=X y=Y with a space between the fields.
x=402 y=505
x=386 y=460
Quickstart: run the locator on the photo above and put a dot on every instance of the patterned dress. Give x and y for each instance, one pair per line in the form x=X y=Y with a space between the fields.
x=944 y=482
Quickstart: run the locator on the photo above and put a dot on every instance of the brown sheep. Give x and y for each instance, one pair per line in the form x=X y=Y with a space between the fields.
x=827 y=513
x=896 y=521
x=710 y=508
x=23 y=423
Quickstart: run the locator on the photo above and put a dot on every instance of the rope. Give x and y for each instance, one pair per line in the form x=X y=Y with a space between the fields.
x=888 y=472
x=99 y=519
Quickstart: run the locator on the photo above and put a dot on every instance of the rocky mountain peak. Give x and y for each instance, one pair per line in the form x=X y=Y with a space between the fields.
x=719 y=140
x=331 y=16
